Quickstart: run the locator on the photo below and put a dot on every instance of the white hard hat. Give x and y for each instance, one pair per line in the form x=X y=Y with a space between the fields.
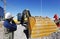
x=8 y=15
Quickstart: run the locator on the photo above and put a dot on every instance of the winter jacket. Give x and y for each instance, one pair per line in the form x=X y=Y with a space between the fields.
x=11 y=26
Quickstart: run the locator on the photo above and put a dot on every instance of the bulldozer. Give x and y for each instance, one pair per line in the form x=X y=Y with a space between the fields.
x=38 y=26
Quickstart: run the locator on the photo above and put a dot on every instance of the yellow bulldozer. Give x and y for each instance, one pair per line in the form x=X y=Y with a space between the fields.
x=39 y=26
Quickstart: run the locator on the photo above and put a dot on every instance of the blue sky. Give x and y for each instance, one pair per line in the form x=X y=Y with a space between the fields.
x=36 y=7
x=50 y=7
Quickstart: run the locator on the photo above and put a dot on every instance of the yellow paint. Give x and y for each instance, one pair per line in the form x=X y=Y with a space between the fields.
x=40 y=26
x=16 y=21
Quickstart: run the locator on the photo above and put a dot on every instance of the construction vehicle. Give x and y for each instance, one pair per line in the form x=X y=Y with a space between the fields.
x=1 y=13
x=25 y=15
x=39 y=26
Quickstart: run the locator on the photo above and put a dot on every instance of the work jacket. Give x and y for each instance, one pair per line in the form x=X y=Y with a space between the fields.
x=10 y=26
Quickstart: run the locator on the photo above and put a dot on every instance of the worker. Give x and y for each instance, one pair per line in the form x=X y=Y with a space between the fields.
x=24 y=21
x=56 y=17
x=9 y=26
x=57 y=21
x=58 y=24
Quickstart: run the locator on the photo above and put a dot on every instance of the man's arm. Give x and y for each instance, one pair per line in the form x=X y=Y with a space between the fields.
x=10 y=26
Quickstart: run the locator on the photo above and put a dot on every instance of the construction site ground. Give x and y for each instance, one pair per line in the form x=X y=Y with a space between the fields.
x=19 y=34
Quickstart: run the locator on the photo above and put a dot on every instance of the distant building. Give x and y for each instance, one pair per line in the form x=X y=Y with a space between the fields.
x=1 y=13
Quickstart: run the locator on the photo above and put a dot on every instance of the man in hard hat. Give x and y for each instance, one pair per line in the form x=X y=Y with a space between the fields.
x=9 y=26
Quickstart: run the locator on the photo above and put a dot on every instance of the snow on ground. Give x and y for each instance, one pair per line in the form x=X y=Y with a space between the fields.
x=19 y=34
x=1 y=34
